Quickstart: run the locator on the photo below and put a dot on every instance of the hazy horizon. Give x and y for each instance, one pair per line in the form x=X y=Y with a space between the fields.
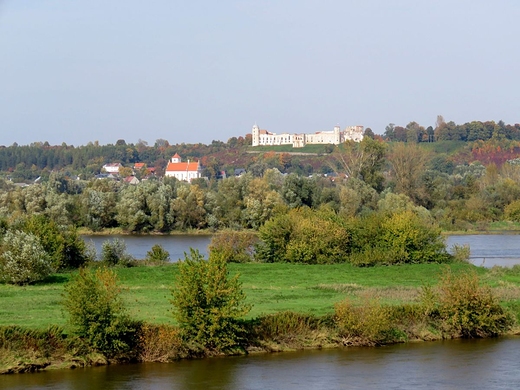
x=190 y=72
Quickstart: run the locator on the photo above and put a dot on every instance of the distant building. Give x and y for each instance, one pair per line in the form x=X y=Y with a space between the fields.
x=131 y=180
x=112 y=167
x=240 y=172
x=183 y=171
x=334 y=137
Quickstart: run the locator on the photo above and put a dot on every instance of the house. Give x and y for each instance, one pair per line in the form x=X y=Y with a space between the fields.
x=131 y=180
x=239 y=172
x=112 y=167
x=139 y=166
x=183 y=171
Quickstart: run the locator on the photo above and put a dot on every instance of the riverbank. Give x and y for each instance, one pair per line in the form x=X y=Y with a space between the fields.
x=117 y=231
x=293 y=308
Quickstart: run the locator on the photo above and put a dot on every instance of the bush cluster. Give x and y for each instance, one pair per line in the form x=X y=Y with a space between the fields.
x=32 y=248
x=466 y=308
x=304 y=236
x=234 y=246
x=318 y=237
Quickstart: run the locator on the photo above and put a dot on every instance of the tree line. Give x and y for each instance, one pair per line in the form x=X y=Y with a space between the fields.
x=363 y=178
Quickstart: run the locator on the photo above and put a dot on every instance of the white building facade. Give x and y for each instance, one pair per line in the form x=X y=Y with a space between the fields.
x=334 y=137
x=183 y=171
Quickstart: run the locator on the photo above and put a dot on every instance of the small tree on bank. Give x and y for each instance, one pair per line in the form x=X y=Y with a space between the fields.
x=97 y=313
x=208 y=304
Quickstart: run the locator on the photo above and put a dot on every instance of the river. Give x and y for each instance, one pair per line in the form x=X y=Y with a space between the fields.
x=489 y=250
x=138 y=245
x=486 y=250
x=489 y=364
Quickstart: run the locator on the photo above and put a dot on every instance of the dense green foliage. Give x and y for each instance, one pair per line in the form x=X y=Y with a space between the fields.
x=23 y=259
x=33 y=247
x=233 y=246
x=97 y=313
x=466 y=176
x=318 y=237
x=208 y=303
x=465 y=307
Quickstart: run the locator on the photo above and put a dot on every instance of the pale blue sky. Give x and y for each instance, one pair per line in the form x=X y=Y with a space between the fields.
x=199 y=70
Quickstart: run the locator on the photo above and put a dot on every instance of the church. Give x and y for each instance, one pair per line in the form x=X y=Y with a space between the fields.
x=183 y=171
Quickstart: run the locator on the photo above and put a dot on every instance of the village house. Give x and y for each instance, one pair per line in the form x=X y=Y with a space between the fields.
x=183 y=171
x=112 y=167
x=131 y=180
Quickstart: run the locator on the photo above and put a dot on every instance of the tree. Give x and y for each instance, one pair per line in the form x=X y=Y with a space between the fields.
x=369 y=133
x=363 y=160
x=389 y=132
x=208 y=304
x=97 y=313
x=408 y=164
x=157 y=254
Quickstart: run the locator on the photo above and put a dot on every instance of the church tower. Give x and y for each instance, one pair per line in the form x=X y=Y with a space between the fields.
x=255 y=135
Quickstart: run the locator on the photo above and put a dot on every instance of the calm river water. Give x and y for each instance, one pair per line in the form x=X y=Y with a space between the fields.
x=460 y=364
x=176 y=245
x=486 y=250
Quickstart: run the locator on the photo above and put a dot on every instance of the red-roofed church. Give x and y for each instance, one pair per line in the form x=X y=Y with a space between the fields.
x=184 y=171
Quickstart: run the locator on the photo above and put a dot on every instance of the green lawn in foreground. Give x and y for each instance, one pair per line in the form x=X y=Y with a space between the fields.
x=268 y=287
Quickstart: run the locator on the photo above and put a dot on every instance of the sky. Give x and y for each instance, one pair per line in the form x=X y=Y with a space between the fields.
x=203 y=70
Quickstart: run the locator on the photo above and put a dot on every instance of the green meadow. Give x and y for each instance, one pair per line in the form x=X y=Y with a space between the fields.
x=269 y=288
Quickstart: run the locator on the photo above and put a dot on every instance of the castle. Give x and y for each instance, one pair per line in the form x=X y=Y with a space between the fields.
x=335 y=137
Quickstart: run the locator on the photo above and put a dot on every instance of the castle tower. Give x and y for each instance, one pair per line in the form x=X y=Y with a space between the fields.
x=337 y=135
x=255 y=135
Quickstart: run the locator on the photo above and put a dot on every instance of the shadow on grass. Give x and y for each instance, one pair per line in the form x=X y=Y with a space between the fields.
x=53 y=279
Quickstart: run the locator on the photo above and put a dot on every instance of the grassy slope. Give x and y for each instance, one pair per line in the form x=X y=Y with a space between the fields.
x=268 y=287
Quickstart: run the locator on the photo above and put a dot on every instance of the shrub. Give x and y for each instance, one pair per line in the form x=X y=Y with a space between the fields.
x=234 y=246
x=304 y=236
x=369 y=324
x=157 y=254
x=512 y=211
x=113 y=252
x=208 y=304
x=460 y=253
x=23 y=259
x=292 y=329
x=416 y=239
x=62 y=243
x=97 y=314
x=466 y=308
x=402 y=237
x=159 y=343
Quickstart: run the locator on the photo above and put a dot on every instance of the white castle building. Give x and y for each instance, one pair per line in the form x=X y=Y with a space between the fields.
x=335 y=137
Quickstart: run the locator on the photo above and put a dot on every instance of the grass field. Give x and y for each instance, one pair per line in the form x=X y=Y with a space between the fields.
x=269 y=288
